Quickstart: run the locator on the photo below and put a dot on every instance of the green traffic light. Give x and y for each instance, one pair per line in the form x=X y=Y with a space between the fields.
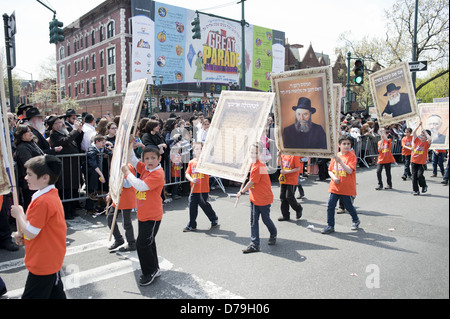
x=358 y=79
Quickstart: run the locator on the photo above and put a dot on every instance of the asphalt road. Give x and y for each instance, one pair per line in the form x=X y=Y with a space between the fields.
x=400 y=251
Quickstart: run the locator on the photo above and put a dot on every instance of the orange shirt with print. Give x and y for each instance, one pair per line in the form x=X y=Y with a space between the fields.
x=419 y=153
x=260 y=194
x=406 y=141
x=347 y=182
x=128 y=196
x=44 y=254
x=384 y=152
x=289 y=162
x=202 y=185
x=149 y=205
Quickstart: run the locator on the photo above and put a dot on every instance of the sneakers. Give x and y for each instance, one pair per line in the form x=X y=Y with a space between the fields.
x=416 y=193
x=404 y=177
x=299 y=213
x=116 y=244
x=328 y=230
x=189 y=229
x=380 y=187
x=388 y=187
x=146 y=280
x=250 y=249
x=272 y=240
x=340 y=211
x=214 y=224
x=282 y=218
x=355 y=225
x=424 y=189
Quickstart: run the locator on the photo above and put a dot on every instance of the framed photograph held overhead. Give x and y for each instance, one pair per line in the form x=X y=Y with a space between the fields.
x=435 y=117
x=393 y=94
x=306 y=118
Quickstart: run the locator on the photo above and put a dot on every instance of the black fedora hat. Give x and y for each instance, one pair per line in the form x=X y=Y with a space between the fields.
x=33 y=112
x=305 y=104
x=70 y=112
x=22 y=107
x=391 y=87
x=51 y=120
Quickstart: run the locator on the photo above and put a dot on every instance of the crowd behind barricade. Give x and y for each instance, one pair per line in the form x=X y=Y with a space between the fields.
x=163 y=164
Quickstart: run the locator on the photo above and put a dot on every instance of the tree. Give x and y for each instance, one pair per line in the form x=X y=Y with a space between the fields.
x=432 y=37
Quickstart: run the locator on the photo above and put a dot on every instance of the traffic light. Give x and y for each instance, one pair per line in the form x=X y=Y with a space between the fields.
x=196 y=30
x=56 y=33
x=359 y=71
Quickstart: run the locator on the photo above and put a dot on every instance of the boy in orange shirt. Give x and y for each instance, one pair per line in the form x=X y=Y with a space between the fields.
x=385 y=159
x=42 y=230
x=199 y=193
x=261 y=197
x=419 y=157
x=290 y=170
x=406 y=152
x=127 y=203
x=149 y=208
x=342 y=171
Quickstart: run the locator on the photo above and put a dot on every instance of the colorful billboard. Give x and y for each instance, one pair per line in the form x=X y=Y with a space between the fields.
x=163 y=45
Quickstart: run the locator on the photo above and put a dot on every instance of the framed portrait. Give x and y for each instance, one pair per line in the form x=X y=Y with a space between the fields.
x=435 y=117
x=238 y=122
x=393 y=94
x=305 y=113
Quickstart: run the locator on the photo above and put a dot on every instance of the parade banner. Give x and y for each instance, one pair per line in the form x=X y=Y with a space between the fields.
x=163 y=45
x=393 y=94
x=306 y=117
x=238 y=122
x=435 y=117
x=130 y=114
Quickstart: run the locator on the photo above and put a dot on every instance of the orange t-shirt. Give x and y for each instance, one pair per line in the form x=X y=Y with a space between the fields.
x=128 y=195
x=385 y=155
x=1 y=201
x=406 y=141
x=202 y=185
x=44 y=255
x=149 y=205
x=289 y=162
x=419 y=153
x=347 y=182
x=260 y=193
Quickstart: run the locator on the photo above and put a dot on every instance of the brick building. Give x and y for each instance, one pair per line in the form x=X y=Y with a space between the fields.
x=93 y=60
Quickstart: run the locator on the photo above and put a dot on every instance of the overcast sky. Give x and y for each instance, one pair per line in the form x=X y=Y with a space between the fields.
x=318 y=22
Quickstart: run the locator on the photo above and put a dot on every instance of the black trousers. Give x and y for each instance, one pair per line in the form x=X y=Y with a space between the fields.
x=44 y=287
x=146 y=246
x=288 y=199
x=387 y=168
x=417 y=176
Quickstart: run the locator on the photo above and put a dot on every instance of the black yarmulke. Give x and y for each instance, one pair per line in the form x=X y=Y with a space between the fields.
x=53 y=163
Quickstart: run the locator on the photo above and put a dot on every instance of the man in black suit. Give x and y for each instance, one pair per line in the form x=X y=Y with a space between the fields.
x=36 y=121
x=304 y=133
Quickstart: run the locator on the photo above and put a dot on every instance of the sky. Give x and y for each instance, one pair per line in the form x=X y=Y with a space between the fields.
x=318 y=22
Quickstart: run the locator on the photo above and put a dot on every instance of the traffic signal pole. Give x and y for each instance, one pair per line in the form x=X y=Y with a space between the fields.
x=9 y=65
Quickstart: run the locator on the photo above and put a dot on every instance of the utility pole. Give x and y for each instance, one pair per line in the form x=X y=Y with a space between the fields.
x=10 y=30
x=414 y=52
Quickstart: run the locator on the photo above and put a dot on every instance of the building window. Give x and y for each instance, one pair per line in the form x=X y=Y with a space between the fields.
x=87 y=87
x=102 y=59
x=61 y=52
x=102 y=84
x=111 y=56
x=112 y=82
x=68 y=70
x=110 y=30
x=87 y=63
x=101 y=34
x=94 y=86
x=69 y=91
x=93 y=61
x=63 y=93
x=61 y=73
x=93 y=37
x=86 y=41
x=75 y=64
x=68 y=49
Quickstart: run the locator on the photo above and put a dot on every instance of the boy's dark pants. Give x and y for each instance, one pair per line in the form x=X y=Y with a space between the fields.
x=44 y=287
x=387 y=168
x=347 y=201
x=146 y=246
x=288 y=199
x=127 y=225
x=417 y=176
x=196 y=199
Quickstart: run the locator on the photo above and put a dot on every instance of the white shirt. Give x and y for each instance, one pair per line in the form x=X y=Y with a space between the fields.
x=89 y=133
x=34 y=230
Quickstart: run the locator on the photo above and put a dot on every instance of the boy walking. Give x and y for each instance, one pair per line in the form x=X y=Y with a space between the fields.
x=342 y=171
x=149 y=208
x=385 y=159
x=290 y=170
x=42 y=230
x=261 y=197
x=419 y=159
x=199 y=193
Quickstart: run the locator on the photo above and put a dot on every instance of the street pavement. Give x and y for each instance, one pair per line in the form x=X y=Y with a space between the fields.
x=400 y=251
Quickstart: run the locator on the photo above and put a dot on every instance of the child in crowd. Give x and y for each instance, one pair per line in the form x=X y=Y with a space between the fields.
x=385 y=159
x=290 y=170
x=261 y=197
x=199 y=192
x=342 y=171
x=127 y=203
x=406 y=153
x=149 y=208
x=42 y=230
x=419 y=156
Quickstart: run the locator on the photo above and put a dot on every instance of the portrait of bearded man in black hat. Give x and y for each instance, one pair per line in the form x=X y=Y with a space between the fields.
x=304 y=133
x=398 y=102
